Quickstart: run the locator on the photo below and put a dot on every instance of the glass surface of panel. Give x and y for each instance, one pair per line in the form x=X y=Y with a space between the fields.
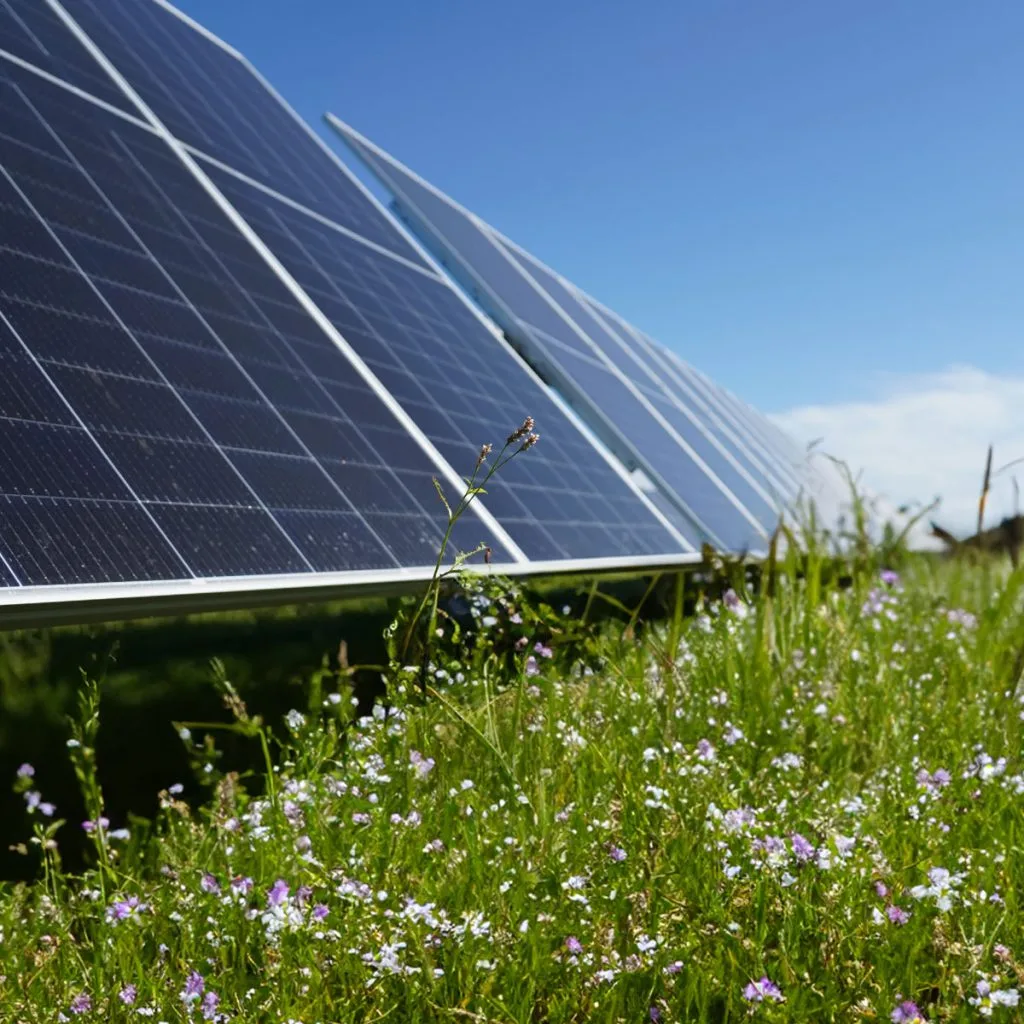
x=211 y=100
x=560 y=499
x=133 y=401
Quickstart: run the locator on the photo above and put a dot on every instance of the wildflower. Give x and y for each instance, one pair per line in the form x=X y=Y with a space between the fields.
x=26 y=771
x=889 y=577
x=194 y=985
x=295 y=720
x=90 y=826
x=210 y=1001
x=128 y=994
x=732 y=601
x=882 y=889
x=617 y=854
x=758 y=991
x=520 y=432
x=988 y=997
x=532 y=668
x=542 y=650
x=705 y=751
x=241 y=884
x=896 y=914
x=573 y=945
x=802 y=849
x=122 y=910
x=278 y=893
x=320 y=911
x=209 y=884
x=907 y=1013
x=81 y=1003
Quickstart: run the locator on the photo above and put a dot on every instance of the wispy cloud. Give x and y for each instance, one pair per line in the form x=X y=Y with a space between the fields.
x=926 y=436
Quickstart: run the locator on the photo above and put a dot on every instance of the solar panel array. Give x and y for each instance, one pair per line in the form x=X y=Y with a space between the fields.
x=222 y=359
x=223 y=362
x=715 y=460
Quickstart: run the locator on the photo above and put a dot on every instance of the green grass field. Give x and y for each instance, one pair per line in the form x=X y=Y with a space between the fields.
x=802 y=807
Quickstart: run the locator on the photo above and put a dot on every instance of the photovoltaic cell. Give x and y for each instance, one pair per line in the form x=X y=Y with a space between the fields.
x=33 y=32
x=109 y=469
x=495 y=275
x=456 y=381
x=211 y=101
x=745 y=481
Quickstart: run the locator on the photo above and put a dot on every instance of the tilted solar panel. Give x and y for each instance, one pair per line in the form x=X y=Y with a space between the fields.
x=146 y=359
x=617 y=395
x=192 y=395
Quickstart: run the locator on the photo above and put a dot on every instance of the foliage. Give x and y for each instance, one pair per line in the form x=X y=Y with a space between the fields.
x=804 y=805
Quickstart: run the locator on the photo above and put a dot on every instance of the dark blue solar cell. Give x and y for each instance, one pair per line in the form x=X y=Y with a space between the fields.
x=457 y=383
x=726 y=462
x=31 y=31
x=712 y=508
x=220 y=541
x=125 y=405
x=212 y=101
x=532 y=316
x=59 y=540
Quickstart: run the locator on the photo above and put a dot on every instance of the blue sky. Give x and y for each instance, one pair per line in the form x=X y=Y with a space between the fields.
x=818 y=203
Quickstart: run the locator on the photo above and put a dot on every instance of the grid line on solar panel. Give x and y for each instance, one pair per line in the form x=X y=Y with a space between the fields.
x=213 y=101
x=782 y=483
x=783 y=477
x=680 y=470
x=418 y=336
x=245 y=522
x=30 y=31
x=673 y=417
x=744 y=479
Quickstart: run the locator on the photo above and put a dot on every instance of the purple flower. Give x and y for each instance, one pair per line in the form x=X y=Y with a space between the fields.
x=705 y=750
x=617 y=854
x=81 y=1003
x=532 y=669
x=26 y=771
x=423 y=766
x=906 y=1013
x=241 y=884
x=127 y=994
x=121 y=910
x=542 y=650
x=210 y=1001
x=896 y=914
x=654 y=1014
x=278 y=893
x=193 y=989
x=882 y=889
x=731 y=599
x=758 y=991
x=90 y=826
x=802 y=848
x=573 y=945
x=889 y=577
x=302 y=894
x=35 y=802
x=209 y=883
x=320 y=911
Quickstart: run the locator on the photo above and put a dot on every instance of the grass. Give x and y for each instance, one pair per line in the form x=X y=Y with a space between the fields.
x=570 y=823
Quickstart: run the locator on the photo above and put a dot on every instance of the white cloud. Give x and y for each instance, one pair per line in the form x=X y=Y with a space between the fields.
x=926 y=436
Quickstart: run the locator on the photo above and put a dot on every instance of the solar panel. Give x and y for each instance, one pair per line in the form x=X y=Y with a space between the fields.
x=675 y=380
x=109 y=311
x=621 y=398
x=188 y=394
